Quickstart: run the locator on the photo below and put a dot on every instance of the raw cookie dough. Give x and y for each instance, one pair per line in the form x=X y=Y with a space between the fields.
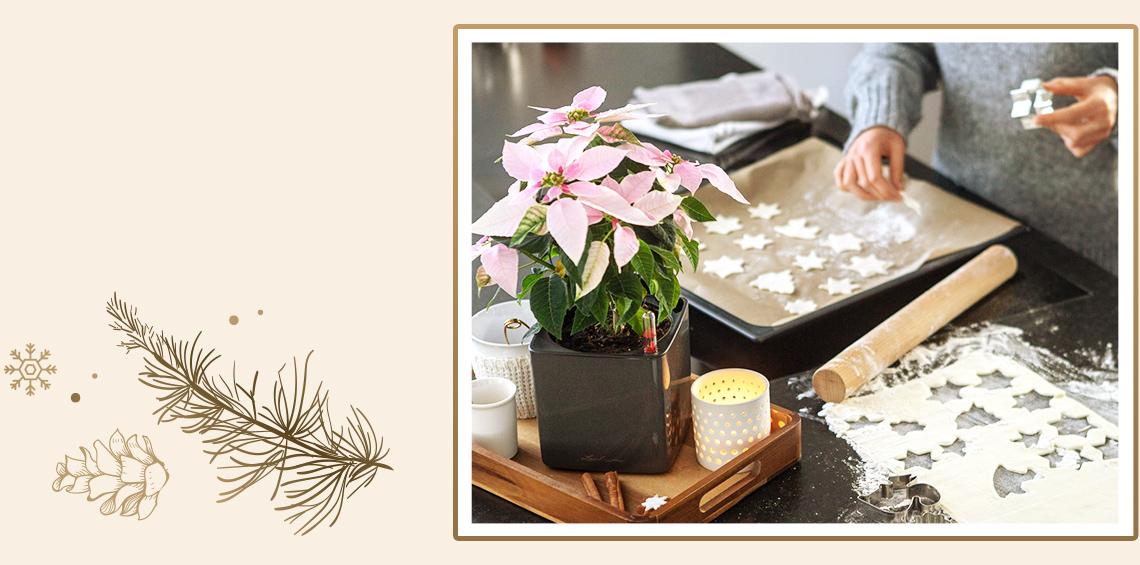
x=809 y=262
x=800 y=306
x=868 y=265
x=723 y=225
x=753 y=241
x=724 y=266
x=764 y=211
x=798 y=228
x=964 y=456
x=780 y=282
x=838 y=287
x=843 y=242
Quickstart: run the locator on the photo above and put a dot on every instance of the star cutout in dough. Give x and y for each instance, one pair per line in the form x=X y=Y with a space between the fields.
x=654 y=502
x=809 y=262
x=798 y=229
x=839 y=287
x=780 y=282
x=843 y=242
x=868 y=265
x=764 y=211
x=723 y=225
x=724 y=266
x=753 y=241
x=800 y=306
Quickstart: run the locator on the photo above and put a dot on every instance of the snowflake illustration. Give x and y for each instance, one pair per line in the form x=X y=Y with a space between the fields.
x=32 y=369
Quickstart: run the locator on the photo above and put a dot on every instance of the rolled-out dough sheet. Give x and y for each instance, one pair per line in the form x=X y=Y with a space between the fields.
x=1080 y=489
x=799 y=179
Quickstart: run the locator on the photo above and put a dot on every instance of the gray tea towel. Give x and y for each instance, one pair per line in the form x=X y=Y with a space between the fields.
x=757 y=96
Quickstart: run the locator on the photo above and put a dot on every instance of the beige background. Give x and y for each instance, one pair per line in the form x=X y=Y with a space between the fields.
x=211 y=158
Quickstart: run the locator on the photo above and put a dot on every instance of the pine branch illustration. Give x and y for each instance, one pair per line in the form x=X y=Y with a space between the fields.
x=288 y=436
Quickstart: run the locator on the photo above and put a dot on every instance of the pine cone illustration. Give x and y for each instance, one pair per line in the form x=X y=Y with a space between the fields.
x=127 y=475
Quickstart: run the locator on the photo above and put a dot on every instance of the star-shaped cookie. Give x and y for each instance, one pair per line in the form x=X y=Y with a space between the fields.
x=764 y=211
x=724 y=266
x=809 y=262
x=798 y=228
x=753 y=241
x=837 y=287
x=780 y=282
x=868 y=265
x=723 y=225
x=843 y=242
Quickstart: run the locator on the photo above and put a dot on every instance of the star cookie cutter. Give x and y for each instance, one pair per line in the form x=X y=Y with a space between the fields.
x=903 y=501
x=1030 y=100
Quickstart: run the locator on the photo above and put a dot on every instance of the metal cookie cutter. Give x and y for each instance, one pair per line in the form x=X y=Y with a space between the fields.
x=1030 y=100
x=902 y=501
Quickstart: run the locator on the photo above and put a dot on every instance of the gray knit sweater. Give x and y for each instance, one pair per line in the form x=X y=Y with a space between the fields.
x=1029 y=173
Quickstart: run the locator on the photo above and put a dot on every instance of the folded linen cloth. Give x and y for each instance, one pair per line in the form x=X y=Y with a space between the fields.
x=763 y=96
x=768 y=99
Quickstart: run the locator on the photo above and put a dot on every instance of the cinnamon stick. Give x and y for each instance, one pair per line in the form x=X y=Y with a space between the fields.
x=613 y=488
x=591 y=488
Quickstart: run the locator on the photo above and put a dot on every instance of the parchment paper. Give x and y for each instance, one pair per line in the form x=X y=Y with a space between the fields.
x=800 y=180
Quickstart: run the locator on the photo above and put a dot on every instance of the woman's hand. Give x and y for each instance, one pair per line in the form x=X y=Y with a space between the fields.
x=860 y=172
x=1085 y=124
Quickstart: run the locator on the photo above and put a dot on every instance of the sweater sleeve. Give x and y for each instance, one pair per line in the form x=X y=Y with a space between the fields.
x=886 y=84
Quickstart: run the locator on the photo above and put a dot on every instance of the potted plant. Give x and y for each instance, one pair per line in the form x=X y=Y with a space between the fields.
x=603 y=222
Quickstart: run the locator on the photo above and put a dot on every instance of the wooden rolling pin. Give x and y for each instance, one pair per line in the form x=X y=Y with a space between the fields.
x=907 y=328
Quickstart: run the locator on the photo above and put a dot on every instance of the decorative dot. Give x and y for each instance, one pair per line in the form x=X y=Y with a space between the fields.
x=75 y=397
x=233 y=320
x=260 y=312
x=94 y=375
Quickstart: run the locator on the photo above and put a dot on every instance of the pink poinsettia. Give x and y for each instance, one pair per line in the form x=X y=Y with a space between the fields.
x=500 y=262
x=579 y=117
x=674 y=172
x=554 y=166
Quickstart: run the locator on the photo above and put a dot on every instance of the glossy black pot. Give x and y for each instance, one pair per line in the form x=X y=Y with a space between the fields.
x=613 y=412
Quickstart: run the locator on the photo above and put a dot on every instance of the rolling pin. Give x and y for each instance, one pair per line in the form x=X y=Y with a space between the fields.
x=907 y=328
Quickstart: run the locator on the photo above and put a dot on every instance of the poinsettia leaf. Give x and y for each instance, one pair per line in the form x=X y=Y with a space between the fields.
x=667 y=257
x=642 y=261
x=627 y=285
x=528 y=282
x=667 y=299
x=637 y=322
x=696 y=210
x=548 y=303
x=600 y=309
x=631 y=309
x=582 y=320
x=532 y=222
x=691 y=248
x=594 y=267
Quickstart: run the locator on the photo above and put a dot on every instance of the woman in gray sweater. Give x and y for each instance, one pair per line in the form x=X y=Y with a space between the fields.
x=1060 y=179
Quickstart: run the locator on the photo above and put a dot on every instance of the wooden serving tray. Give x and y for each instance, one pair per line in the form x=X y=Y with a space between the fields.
x=695 y=493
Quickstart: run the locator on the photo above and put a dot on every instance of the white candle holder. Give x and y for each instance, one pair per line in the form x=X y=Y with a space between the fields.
x=494 y=424
x=500 y=350
x=731 y=412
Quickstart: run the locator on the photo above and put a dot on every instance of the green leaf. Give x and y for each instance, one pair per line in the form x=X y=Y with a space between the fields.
x=549 y=304
x=600 y=309
x=582 y=320
x=528 y=282
x=668 y=298
x=594 y=268
x=627 y=285
x=691 y=248
x=637 y=322
x=532 y=221
x=642 y=261
x=696 y=210
x=667 y=257
x=631 y=309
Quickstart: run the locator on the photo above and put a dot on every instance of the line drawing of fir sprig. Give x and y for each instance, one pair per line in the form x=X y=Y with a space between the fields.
x=317 y=466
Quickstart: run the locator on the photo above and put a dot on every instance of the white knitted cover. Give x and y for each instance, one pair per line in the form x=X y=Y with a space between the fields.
x=517 y=370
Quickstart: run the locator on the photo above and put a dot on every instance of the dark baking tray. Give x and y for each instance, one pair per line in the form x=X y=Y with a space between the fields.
x=721 y=339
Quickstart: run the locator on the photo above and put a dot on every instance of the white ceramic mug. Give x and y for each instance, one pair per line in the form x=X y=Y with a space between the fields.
x=731 y=412
x=505 y=354
x=494 y=424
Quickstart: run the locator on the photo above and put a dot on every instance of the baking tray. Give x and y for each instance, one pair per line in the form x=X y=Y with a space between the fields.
x=721 y=339
x=695 y=493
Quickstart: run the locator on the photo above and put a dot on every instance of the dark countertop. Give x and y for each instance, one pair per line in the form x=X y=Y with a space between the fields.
x=1060 y=300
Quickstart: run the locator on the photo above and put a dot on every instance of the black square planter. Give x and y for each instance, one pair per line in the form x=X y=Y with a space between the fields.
x=609 y=412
